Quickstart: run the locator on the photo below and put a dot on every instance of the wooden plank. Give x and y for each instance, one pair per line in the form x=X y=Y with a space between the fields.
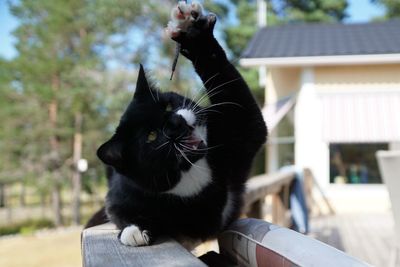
x=366 y=236
x=260 y=186
x=101 y=248
x=257 y=209
x=310 y=175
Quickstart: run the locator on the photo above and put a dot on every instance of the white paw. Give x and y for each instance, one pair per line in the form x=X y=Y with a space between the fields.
x=182 y=16
x=132 y=236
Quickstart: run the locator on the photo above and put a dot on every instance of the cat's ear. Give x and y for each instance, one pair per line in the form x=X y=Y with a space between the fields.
x=111 y=152
x=143 y=89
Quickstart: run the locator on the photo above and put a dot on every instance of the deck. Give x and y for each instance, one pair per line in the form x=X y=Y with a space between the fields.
x=367 y=236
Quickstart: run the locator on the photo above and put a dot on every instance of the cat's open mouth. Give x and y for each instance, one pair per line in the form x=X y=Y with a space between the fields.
x=194 y=142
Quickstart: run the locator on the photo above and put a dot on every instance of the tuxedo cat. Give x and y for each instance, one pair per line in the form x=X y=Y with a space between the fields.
x=177 y=168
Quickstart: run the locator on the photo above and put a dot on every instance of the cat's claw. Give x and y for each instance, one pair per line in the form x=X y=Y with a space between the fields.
x=184 y=15
x=133 y=236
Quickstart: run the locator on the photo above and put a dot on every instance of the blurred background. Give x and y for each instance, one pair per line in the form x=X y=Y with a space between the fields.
x=68 y=69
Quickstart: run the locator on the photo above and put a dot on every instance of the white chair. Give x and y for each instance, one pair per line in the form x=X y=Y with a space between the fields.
x=389 y=165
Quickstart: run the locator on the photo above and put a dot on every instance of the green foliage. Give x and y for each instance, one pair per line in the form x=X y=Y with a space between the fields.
x=286 y=11
x=26 y=227
x=392 y=8
x=64 y=53
x=313 y=10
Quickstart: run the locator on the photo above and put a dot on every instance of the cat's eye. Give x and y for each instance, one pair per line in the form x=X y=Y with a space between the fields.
x=152 y=136
x=168 y=108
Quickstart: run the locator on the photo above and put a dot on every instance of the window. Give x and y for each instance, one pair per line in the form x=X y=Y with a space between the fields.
x=355 y=163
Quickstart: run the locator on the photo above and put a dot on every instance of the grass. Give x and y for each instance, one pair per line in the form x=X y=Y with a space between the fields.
x=26 y=227
x=52 y=248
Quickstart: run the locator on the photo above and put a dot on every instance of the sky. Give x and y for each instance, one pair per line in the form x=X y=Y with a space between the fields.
x=359 y=11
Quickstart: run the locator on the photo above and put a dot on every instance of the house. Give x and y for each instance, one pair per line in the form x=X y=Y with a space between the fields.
x=332 y=94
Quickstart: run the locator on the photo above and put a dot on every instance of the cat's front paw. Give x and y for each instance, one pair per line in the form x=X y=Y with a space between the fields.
x=188 y=21
x=133 y=236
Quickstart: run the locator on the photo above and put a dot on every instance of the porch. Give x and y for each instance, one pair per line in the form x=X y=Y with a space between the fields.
x=366 y=236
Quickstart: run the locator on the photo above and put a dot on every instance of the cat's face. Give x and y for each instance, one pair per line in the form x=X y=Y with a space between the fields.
x=159 y=136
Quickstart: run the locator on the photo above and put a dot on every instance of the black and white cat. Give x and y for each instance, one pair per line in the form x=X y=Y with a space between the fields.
x=179 y=169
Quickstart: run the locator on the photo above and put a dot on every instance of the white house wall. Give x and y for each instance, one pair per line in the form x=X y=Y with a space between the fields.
x=281 y=82
x=310 y=150
x=358 y=78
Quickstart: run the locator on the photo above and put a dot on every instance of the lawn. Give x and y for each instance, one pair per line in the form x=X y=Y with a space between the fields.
x=50 y=248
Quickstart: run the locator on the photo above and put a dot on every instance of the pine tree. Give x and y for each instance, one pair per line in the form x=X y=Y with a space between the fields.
x=392 y=8
x=59 y=46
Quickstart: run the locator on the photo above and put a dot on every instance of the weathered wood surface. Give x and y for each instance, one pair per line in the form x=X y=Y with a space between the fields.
x=367 y=236
x=260 y=186
x=101 y=248
x=277 y=185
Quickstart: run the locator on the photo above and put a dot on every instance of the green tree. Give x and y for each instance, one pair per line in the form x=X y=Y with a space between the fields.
x=239 y=34
x=312 y=10
x=61 y=78
x=392 y=8
x=59 y=46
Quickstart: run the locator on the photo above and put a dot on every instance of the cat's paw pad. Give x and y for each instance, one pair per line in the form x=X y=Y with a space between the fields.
x=133 y=236
x=183 y=15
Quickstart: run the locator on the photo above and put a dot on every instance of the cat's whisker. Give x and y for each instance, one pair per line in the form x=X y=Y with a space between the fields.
x=165 y=135
x=168 y=181
x=184 y=100
x=179 y=137
x=152 y=95
x=199 y=149
x=158 y=96
x=170 y=148
x=157 y=148
x=202 y=87
x=228 y=82
x=209 y=110
x=209 y=79
x=187 y=159
x=221 y=104
x=208 y=95
x=212 y=92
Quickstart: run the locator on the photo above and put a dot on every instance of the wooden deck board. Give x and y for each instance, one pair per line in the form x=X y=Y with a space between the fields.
x=101 y=248
x=369 y=237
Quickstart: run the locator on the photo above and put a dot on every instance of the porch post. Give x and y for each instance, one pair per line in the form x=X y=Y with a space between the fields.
x=310 y=150
x=272 y=150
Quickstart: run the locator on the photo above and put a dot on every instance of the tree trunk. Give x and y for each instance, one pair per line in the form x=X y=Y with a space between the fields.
x=57 y=203
x=2 y=196
x=43 y=204
x=54 y=146
x=76 y=174
x=22 y=195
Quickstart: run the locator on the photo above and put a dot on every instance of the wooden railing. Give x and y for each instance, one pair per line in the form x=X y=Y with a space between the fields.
x=277 y=185
x=100 y=246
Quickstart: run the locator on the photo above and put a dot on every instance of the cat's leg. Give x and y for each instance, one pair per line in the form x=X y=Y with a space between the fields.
x=133 y=236
x=235 y=122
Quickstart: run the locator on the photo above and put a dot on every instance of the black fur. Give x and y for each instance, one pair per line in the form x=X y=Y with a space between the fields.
x=142 y=173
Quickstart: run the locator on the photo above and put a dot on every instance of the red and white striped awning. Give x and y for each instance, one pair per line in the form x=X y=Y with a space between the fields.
x=362 y=117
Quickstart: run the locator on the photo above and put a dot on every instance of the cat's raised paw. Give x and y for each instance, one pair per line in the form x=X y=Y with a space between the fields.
x=133 y=236
x=185 y=15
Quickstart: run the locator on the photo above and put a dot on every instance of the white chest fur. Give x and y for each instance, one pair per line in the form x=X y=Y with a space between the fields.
x=193 y=181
